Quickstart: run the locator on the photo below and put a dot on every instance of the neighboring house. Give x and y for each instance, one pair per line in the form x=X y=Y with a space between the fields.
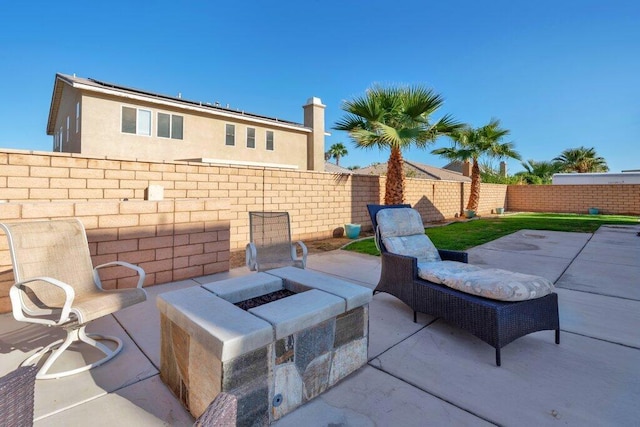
x=333 y=168
x=596 y=178
x=95 y=118
x=416 y=170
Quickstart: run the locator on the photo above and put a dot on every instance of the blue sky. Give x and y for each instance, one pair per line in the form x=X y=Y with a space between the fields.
x=558 y=74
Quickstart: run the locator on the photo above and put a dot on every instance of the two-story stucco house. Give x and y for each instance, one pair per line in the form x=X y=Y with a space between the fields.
x=95 y=118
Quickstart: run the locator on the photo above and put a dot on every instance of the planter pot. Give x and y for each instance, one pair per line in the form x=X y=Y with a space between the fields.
x=594 y=211
x=469 y=213
x=499 y=211
x=352 y=230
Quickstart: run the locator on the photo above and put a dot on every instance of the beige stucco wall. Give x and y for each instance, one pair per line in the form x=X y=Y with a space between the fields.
x=203 y=136
x=68 y=109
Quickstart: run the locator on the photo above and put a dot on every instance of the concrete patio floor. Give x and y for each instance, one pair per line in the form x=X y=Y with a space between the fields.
x=424 y=373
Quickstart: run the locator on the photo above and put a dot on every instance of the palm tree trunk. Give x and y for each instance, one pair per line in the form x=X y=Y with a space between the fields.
x=474 y=197
x=394 y=187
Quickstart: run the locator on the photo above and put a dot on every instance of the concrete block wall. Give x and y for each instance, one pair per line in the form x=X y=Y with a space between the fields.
x=171 y=240
x=492 y=196
x=608 y=198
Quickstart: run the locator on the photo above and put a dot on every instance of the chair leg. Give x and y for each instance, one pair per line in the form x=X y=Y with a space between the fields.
x=74 y=334
x=498 y=361
x=558 y=336
x=415 y=316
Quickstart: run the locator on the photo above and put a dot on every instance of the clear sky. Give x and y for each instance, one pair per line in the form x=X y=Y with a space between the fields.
x=559 y=74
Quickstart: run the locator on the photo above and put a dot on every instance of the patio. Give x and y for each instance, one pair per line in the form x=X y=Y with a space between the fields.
x=425 y=373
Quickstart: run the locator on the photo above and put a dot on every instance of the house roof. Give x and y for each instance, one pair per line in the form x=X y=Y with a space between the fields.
x=416 y=170
x=94 y=85
x=455 y=166
x=333 y=168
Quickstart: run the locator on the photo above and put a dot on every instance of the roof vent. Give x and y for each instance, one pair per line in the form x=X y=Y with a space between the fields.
x=179 y=95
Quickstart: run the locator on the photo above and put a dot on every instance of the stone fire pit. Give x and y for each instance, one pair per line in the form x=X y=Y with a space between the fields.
x=273 y=357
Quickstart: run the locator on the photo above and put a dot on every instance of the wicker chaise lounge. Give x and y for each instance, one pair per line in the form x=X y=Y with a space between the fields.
x=495 y=322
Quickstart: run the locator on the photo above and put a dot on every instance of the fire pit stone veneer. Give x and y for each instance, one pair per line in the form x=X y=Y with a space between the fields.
x=273 y=357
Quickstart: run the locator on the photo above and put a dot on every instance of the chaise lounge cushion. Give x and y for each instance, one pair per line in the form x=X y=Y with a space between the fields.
x=493 y=283
x=439 y=271
x=402 y=233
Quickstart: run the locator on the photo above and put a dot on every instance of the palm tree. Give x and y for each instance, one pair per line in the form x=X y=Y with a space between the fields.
x=581 y=160
x=538 y=172
x=394 y=118
x=336 y=151
x=470 y=143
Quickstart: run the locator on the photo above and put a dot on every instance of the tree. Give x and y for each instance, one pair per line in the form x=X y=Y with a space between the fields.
x=538 y=172
x=394 y=118
x=336 y=151
x=581 y=160
x=474 y=143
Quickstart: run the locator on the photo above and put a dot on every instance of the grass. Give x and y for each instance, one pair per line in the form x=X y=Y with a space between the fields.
x=465 y=235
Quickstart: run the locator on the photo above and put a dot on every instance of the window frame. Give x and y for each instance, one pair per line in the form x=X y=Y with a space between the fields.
x=228 y=126
x=254 y=138
x=78 y=117
x=172 y=127
x=137 y=122
x=266 y=142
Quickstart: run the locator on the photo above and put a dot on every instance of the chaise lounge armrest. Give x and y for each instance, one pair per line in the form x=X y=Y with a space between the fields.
x=459 y=256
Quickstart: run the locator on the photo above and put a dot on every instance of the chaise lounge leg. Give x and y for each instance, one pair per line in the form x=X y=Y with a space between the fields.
x=498 y=362
x=558 y=336
x=415 y=316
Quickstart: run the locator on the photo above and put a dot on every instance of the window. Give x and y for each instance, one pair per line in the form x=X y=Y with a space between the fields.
x=60 y=138
x=230 y=135
x=68 y=125
x=77 y=117
x=136 y=120
x=144 y=122
x=270 y=140
x=251 y=138
x=176 y=127
x=169 y=126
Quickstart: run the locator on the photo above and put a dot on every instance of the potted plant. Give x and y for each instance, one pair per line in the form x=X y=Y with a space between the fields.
x=352 y=230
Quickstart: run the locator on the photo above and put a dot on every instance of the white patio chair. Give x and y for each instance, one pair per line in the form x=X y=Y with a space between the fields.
x=56 y=285
x=270 y=246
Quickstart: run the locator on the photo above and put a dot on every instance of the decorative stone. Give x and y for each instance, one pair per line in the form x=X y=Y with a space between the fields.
x=316 y=376
x=253 y=403
x=245 y=287
x=244 y=368
x=205 y=372
x=287 y=383
x=313 y=342
x=348 y=359
x=285 y=350
x=349 y=326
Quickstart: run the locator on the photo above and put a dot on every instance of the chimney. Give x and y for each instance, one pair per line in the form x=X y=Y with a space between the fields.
x=466 y=168
x=503 y=168
x=314 y=119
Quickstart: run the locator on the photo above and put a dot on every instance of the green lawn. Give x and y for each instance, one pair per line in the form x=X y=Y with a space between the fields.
x=465 y=235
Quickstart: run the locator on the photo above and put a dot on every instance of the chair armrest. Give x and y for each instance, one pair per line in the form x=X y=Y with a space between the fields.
x=294 y=253
x=139 y=270
x=398 y=269
x=16 y=294
x=251 y=257
x=453 y=255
